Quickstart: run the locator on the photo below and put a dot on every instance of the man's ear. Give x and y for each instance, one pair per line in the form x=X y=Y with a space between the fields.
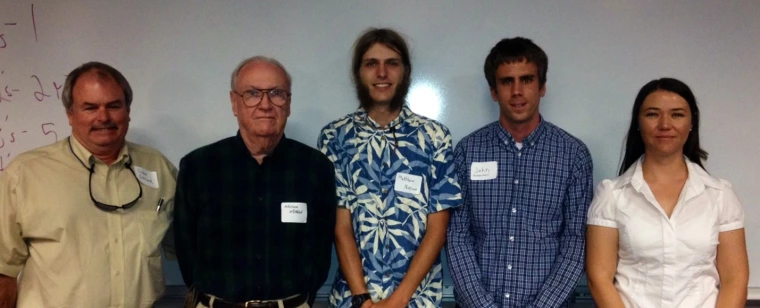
x=233 y=99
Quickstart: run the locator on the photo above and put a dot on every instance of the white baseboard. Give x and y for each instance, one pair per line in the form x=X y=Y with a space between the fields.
x=753 y=293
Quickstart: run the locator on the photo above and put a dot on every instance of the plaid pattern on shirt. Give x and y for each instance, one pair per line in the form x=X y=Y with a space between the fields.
x=519 y=239
x=231 y=239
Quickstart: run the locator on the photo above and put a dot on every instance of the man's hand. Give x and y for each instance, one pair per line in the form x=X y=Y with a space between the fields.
x=391 y=302
x=367 y=304
x=8 y=291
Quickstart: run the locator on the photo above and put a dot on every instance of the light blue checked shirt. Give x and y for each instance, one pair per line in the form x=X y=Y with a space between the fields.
x=519 y=238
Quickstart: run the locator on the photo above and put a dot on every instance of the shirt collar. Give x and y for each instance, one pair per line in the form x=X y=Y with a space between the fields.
x=242 y=148
x=87 y=158
x=361 y=116
x=634 y=175
x=529 y=141
x=698 y=179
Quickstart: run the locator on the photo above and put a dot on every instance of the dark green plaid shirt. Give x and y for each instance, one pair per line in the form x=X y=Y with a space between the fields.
x=230 y=240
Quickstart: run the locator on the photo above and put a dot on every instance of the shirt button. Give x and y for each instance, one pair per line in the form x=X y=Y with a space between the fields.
x=511 y=238
x=260 y=198
x=509 y=267
x=506 y=295
x=387 y=247
x=532 y=143
x=519 y=154
x=387 y=274
x=117 y=273
x=385 y=191
x=115 y=240
x=517 y=181
x=514 y=210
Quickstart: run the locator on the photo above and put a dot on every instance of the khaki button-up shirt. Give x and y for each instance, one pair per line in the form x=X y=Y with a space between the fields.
x=68 y=252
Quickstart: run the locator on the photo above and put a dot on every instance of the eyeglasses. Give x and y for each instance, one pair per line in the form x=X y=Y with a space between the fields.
x=253 y=97
x=100 y=205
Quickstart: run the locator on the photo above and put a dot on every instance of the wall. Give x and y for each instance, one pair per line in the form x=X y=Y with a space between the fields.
x=178 y=56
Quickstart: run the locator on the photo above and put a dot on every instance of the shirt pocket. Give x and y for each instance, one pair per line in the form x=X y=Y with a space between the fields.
x=487 y=205
x=414 y=195
x=153 y=226
x=541 y=216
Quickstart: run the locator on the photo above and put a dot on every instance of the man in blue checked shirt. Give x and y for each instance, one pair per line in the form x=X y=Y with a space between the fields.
x=518 y=240
x=395 y=181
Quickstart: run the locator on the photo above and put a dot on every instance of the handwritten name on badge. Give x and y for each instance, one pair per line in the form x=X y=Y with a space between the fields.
x=408 y=183
x=293 y=212
x=481 y=171
x=147 y=177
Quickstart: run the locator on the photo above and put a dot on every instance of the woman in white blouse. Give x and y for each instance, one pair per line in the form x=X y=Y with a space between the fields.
x=665 y=233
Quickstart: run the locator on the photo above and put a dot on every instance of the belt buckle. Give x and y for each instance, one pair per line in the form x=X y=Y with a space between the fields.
x=253 y=304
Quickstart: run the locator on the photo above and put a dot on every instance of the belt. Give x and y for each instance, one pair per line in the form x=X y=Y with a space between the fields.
x=287 y=303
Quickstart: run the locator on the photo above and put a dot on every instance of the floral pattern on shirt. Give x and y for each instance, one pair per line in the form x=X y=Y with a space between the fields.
x=390 y=220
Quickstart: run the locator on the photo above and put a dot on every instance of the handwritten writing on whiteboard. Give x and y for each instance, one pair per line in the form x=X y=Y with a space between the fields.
x=40 y=131
x=10 y=136
x=41 y=89
x=25 y=97
x=9 y=26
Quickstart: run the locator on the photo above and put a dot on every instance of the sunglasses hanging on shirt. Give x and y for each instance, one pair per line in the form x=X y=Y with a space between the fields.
x=103 y=206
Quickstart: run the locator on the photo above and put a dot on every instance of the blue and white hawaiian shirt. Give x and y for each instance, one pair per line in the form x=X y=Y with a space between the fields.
x=390 y=179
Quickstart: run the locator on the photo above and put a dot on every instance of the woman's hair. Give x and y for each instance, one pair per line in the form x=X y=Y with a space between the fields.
x=634 y=144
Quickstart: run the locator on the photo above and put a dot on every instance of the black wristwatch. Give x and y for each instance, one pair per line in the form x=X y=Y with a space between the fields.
x=358 y=300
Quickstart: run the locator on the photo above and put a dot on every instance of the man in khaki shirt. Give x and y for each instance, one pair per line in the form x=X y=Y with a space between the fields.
x=81 y=220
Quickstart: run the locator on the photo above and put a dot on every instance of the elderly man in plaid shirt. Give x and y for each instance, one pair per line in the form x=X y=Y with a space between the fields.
x=518 y=240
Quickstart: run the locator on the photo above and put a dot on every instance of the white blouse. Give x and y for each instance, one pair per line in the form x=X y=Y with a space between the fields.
x=667 y=262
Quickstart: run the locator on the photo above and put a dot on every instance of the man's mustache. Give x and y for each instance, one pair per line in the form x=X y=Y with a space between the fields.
x=107 y=125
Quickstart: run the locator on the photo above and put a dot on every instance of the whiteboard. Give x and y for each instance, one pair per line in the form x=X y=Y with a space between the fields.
x=178 y=56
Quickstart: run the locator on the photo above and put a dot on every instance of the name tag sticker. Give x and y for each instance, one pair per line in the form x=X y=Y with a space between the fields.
x=481 y=171
x=408 y=183
x=146 y=177
x=294 y=212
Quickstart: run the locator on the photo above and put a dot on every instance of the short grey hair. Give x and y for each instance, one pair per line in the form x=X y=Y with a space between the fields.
x=250 y=60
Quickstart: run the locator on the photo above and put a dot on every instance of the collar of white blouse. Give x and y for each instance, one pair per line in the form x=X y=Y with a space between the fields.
x=695 y=185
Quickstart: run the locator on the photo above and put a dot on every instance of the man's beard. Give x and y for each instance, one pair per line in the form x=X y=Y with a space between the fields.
x=397 y=101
